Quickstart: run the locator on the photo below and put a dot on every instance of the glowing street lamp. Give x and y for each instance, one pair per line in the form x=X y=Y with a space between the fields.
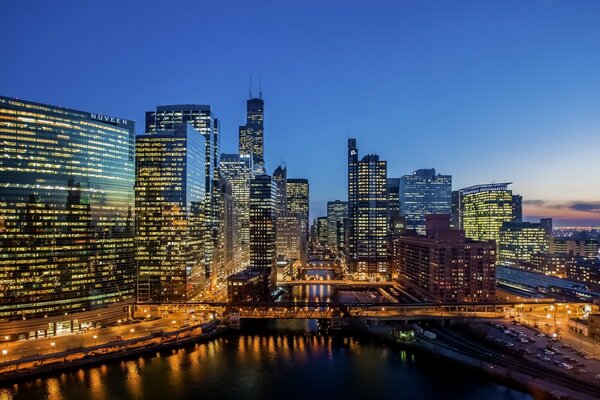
x=52 y=345
x=4 y=353
x=132 y=331
x=95 y=341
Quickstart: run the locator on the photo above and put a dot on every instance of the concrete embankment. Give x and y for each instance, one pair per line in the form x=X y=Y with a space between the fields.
x=74 y=359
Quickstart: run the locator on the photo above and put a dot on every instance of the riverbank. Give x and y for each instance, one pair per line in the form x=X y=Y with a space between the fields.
x=503 y=368
x=73 y=359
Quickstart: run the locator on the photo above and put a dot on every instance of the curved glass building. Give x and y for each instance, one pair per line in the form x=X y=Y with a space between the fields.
x=67 y=258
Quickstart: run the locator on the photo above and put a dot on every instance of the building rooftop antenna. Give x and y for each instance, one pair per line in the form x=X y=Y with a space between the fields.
x=250 y=91
x=259 y=87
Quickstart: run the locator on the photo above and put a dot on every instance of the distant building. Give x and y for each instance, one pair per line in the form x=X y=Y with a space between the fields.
x=291 y=237
x=581 y=248
x=320 y=230
x=546 y=224
x=263 y=220
x=444 y=266
x=455 y=221
x=519 y=241
x=280 y=179
x=170 y=194
x=367 y=215
x=517 y=208
x=337 y=220
x=251 y=138
x=230 y=241
x=238 y=171
x=585 y=271
x=298 y=199
x=483 y=210
x=424 y=192
x=286 y=269
x=551 y=264
x=393 y=198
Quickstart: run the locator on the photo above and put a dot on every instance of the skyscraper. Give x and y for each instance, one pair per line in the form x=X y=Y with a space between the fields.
x=320 y=231
x=67 y=244
x=424 y=192
x=201 y=117
x=170 y=194
x=484 y=208
x=280 y=179
x=519 y=241
x=238 y=171
x=263 y=217
x=251 y=139
x=393 y=195
x=298 y=199
x=337 y=220
x=517 y=207
x=367 y=209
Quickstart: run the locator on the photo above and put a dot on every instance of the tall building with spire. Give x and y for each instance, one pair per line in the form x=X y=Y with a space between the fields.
x=251 y=139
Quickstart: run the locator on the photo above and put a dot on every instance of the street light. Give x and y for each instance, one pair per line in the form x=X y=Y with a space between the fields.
x=4 y=353
x=131 y=331
x=95 y=337
x=52 y=346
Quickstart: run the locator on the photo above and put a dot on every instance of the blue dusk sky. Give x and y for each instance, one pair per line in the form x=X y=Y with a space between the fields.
x=487 y=91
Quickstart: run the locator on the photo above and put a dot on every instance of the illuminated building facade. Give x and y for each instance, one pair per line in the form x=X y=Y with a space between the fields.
x=320 y=229
x=231 y=249
x=263 y=223
x=67 y=258
x=238 y=170
x=170 y=194
x=291 y=237
x=444 y=266
x=201 y=117
x=251 y=138
x=367 y=215
x=297 y=199
x=519 y=241
x=393 y=196
x=280 y=179
x=483 y=210
x=517 y=208
x=424 y=192
x=587 y=248
x=337 y=220
x=550 y=264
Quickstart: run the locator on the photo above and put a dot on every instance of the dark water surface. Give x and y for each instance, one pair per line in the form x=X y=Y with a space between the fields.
x=282 y=360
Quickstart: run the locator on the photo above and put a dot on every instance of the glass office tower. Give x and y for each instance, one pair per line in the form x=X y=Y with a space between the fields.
x=66 y=218
x=263 y=220
x=424 y=192
x=170 y=193
x=251 y=138
x=519 y=241
x=484 y=208
x=297 y=192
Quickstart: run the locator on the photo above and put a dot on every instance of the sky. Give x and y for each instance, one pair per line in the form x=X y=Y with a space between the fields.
x=487 y=91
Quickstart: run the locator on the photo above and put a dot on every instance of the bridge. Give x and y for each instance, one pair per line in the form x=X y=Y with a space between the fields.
x=329 y=310
x=335 y=282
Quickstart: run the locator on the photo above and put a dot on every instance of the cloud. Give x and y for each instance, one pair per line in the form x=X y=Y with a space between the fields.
x=585 y=206
x=538 y=203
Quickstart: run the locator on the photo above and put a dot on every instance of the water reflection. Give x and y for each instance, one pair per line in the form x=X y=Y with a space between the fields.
x=264 y=362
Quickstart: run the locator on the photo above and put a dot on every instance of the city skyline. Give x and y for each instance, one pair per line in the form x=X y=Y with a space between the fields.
x=525 y=83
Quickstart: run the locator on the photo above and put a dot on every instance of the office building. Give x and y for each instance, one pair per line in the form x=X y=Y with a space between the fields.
x=393 y=198
x=202 y=118
x=424 y=192
x=298 y=199
x=320 y=230
x=230 y=241
x=550 y=264
x=251 y=138
x=238 y=170
x=517 y=208
x=483 y=210
x=445 y=266
x=337 y=220
x=583 y=270
x=291 y=237
x=280 y=179
x=455 y=220
x=519 y=241
x=546 y=224
x=263 y=219
x=586 y=248
x=67 y=258
x=248 y=285
x=367 y=215
x=170 y=195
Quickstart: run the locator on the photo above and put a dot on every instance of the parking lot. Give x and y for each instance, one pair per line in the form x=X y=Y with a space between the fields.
x=538 y=347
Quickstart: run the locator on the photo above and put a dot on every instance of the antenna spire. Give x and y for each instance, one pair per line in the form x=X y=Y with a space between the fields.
x=250 y=91
x=259 y=87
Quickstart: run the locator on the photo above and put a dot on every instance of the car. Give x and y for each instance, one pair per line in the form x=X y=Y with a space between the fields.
x=597 y=376
x=581 y=371
x=509 y=344
x=118 y=337
x=540 y=334
x=588 y=357
x=547 y=359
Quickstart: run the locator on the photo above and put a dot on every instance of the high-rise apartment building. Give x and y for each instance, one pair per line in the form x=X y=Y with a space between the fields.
x=424 y=192
x=251 y=138
x=519 y=241
x=201 y=117
x=444 y=266
x=337 y=220
x=230 y=241
x=367 y=215
x=263 y=223
x=238 y=170
x=67 y=240
x=483 y=210
x=170 y=195
x=298 y=199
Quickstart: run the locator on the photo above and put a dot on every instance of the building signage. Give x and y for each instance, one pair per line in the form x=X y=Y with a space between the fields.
x=106 y=118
